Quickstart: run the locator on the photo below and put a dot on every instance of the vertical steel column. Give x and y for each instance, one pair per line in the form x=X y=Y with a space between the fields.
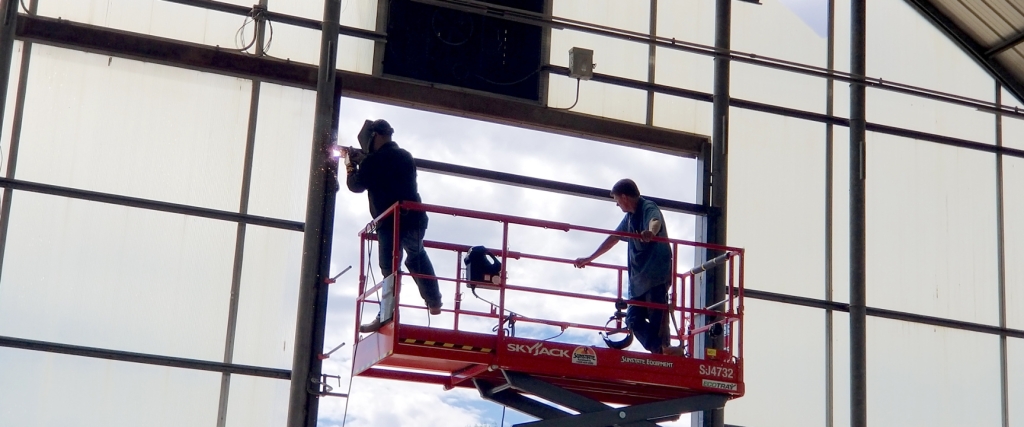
x=243 y=208
x=7 y=26
x=858 y=222
x=715 y=286
x=651 y=51
x=303 y=401
x=545 y=54
x=829 y=176
x=1001 y=266
x=19 y=110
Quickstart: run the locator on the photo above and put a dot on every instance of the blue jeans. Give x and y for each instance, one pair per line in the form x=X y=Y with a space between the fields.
x=417 y=261
x=646 y=323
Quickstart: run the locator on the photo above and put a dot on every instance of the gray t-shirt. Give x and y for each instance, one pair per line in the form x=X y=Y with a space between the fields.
x=650 y=264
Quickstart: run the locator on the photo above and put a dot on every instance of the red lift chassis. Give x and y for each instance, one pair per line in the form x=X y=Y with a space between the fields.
x=579 y=376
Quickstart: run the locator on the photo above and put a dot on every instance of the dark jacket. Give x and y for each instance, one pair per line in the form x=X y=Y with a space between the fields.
x=388 y=175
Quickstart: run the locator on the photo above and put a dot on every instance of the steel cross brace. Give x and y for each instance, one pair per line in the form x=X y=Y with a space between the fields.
x=592 y=413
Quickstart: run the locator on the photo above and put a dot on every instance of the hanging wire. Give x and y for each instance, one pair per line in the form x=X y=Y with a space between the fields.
x=23 y=7
x=240 y=34
x=270 y=37
x=577 y=97
x=512 y=83
x=256 y=16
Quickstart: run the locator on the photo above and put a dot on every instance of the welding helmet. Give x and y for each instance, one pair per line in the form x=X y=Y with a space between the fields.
x=370 y=130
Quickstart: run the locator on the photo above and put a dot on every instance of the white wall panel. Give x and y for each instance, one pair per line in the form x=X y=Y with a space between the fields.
x=775 y=29
x=904 y=47
x=776 y=87
x=777 y=201
x=631 y=16
x=940 y=118
x=684 y=70
x=931 y=229
x=258 y=402
x=54 y=390
x=298 y=44
x=784 y=367
x=284 y=141
x=841 y=214
x=268 y=298
x=682 y=114
x=691 y=21
x=132 y=128
x=153 y=17
x=99 y=275
x=926 y=376
x=1013 y=128
x=354 y=13
x=1013 y=218
x=1015 y=383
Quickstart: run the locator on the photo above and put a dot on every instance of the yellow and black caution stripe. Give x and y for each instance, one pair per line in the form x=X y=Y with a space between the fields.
x=445 y=345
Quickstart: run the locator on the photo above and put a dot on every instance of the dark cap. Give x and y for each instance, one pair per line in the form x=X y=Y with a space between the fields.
x=382 y=127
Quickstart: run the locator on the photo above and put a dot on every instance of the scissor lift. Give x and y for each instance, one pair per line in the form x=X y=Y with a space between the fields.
x=585 y=378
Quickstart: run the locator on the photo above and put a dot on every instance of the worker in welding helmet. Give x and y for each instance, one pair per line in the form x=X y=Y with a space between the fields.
x=387 y=174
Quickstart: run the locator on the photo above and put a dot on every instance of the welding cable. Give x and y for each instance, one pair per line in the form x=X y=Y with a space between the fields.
x=511 y=314
x=348 y=393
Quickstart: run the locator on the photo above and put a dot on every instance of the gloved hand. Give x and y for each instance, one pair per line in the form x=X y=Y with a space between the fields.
x=354 y=156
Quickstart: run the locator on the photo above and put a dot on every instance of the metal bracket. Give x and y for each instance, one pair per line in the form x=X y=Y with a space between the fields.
x=324 y=389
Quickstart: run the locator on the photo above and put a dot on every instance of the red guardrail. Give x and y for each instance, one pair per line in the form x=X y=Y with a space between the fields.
x=688 y=320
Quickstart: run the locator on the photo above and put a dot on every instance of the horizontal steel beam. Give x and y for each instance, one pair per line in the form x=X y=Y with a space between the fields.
x=135 y=202
x=297 y=21
x=1007 y=44
x=548 y=185
x=453 y=101
x=450 y=101
x=882 y=313
x=149 y=359
x=800 y=114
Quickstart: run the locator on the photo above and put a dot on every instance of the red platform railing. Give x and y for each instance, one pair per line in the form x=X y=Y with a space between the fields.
x=689 y=316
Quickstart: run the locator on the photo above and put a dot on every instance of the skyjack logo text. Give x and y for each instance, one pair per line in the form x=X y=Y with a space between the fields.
x=537 y=349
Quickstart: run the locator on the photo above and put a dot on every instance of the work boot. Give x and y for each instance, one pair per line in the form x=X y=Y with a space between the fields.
x=371 y=327
x=435 y=310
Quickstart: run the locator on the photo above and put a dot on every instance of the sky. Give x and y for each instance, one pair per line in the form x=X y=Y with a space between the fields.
x=483 y=145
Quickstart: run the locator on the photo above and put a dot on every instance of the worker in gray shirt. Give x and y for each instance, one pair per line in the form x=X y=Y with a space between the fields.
x=649 y=266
